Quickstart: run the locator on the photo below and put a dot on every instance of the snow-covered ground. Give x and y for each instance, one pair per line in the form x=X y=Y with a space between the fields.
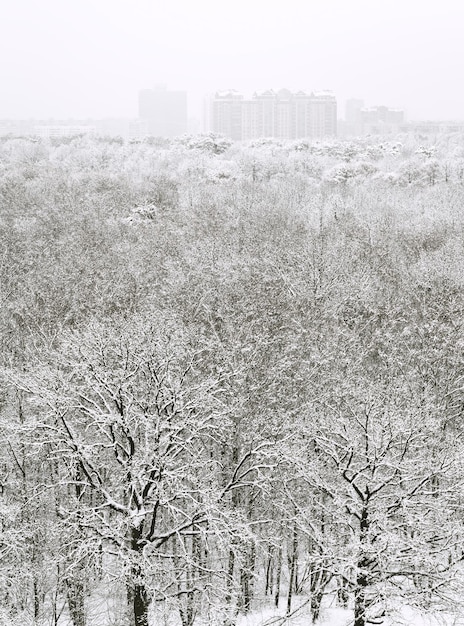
x=105 y=612
x=335 y=616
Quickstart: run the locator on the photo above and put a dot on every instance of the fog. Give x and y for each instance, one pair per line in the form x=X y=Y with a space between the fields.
x=89 y=58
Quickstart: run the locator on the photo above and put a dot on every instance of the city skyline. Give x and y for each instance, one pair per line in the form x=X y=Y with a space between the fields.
x=89 y=60
x=201 y=117
x=195 y=110
x=140 y=110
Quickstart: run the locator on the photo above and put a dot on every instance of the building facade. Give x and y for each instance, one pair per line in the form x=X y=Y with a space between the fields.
x=381 y=120
x=279 y=114
x=377 y=120
x=353 y=117
x=49 y=131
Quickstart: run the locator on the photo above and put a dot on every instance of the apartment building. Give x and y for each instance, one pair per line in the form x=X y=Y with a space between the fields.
x=49 y=131
x=280 y=114
x=377 y=120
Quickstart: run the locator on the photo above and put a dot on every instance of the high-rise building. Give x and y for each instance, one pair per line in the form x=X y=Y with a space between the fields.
x=377 y=120
x=283 y=114
x=353 y=119
x=381 y=120
x=163 y=111
x=226 y=114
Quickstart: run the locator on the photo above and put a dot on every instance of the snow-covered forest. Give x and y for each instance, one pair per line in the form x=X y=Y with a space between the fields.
x=231 y=380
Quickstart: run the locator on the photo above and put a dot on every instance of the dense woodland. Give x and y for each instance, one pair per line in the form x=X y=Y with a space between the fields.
x=231 y=377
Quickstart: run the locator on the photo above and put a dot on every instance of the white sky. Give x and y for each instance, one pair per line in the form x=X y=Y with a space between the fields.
x=89 y=58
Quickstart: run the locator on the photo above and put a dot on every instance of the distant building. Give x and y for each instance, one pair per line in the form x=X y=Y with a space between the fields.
x=430 y=127
x=16 y=128
x=377 y=120
x=381 y=120
x=353 y=119
x=164 y=112
x=63 y=130
x=279 y=114
x=226 y=114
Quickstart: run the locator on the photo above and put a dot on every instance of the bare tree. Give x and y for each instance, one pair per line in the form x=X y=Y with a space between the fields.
x=134 y=428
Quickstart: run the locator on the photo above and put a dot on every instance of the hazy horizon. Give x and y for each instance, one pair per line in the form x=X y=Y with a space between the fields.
x=90 y=59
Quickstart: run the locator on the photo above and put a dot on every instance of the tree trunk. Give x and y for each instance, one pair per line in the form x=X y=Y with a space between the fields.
x=231 y=611
x=293 y=558
x=36 y=599
x=185 y=574
x=316 y=601
x=75 y=594
x=360 y=617
x=360 y=597
x=278 y=577
x=246 y=577
x=137 y=595
x=319 y=580
x=76 y=582
x=342 y=593
x=269 y=572
x=230 y=576
x=138 y=603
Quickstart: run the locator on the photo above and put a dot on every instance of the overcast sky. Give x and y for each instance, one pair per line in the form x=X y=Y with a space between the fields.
x=89 y=58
